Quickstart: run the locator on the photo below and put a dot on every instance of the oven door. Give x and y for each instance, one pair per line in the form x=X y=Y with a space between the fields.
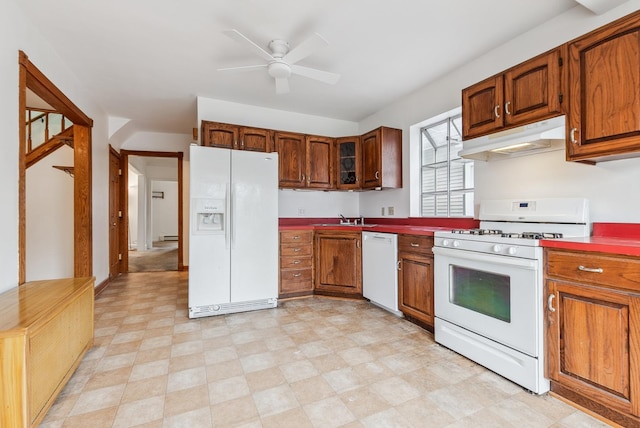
x=498 y=297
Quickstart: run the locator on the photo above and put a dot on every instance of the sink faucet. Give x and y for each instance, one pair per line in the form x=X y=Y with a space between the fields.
x=344 y=220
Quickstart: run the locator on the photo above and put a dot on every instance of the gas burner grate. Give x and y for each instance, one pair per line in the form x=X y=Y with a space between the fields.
x=533 y=235
x=478 y=231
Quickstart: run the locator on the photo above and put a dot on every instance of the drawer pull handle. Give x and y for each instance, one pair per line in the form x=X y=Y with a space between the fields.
x=413 y=244
x=399 y=264
x=550 y=303
x=296 y=250
x=495 y=111
x=296 y=262
x=572 y=135
x=296 y=237
x=295 y=275
x=586 y=269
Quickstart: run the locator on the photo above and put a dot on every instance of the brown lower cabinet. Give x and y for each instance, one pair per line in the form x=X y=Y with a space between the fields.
x=593 y=332
x=296 y=267
x=415 y=278
x=338 y=263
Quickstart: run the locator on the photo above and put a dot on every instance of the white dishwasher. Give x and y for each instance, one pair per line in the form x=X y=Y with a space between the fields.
x=379 y=269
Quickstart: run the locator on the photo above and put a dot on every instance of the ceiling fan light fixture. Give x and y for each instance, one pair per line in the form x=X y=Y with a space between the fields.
x=279 y=70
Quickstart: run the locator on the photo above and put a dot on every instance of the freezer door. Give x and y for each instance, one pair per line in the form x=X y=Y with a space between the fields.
x=254 y=225
x=209 y=248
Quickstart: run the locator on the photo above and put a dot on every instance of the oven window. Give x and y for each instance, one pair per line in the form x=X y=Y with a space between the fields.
x=484 y=292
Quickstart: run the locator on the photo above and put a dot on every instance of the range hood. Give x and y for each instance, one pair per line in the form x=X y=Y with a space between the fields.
x=544 y=136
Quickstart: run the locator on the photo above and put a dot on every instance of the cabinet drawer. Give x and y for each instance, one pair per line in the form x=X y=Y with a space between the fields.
x=614 y=271
x=295 y=262
x=415 y=244
x=295 y=250
x=295 y=236
x=295 y=275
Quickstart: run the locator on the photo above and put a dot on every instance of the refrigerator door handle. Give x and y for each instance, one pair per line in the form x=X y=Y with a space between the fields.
x=227 y=216
x=232 y=217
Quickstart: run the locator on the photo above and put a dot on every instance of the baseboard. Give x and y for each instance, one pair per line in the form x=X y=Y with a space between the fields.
x=102 y=286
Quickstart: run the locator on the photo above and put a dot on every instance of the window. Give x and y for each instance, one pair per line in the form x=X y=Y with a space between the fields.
x=446 y=180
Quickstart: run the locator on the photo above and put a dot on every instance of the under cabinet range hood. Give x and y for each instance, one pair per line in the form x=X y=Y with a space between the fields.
x=544 y=136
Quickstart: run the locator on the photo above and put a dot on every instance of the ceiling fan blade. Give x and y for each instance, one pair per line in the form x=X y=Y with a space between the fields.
x=312 y=73
x=239 y=37
x=244 y=68
x=305 y=48
x=282 y=85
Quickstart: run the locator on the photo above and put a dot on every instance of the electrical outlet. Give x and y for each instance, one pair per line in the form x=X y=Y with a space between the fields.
x=300 y=211
x=390 y=210
x=382 y=211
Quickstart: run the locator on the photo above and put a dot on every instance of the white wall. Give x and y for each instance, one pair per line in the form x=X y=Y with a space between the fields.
x=545 y=174
x=164 y=213
x=17 y=33
x=49 y=208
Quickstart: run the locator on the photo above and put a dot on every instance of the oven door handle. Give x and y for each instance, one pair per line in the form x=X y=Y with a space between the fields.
x=482 y=257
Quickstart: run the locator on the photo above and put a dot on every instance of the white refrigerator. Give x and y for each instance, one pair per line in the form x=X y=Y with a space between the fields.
x=233 y=239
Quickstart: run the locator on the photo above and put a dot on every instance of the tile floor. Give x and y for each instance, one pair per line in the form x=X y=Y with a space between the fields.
x=315 y=362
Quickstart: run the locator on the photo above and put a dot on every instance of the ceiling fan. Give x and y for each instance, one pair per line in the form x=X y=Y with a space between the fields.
x=281 y=61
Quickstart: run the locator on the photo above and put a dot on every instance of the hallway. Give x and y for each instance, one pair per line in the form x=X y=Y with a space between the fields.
x=316 y=362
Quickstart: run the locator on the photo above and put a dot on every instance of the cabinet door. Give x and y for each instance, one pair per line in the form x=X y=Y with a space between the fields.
x=338 y=262
x=604 y=82
x=415 y=286
x=482 y=110
x=219 y=135
x=532 y=89
x=255 y=139
x=371 y=160
x=320 y=160
x=291 y=159
x=592 y=343
x=349 y=156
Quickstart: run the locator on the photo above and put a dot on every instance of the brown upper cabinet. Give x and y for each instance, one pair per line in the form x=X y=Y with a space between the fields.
x=349 y=163
x=370 y=161
x=382 y=158
x=604 y=92
x=523 y=94
x=320 y=161
x=291 y=148
x=236 y=137
x=306 y=161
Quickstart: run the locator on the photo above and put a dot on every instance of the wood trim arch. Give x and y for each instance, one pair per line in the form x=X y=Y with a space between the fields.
x=125 y=201
x=30 y=77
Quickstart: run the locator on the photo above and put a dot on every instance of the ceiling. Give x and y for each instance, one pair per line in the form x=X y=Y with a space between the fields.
x=148 y=60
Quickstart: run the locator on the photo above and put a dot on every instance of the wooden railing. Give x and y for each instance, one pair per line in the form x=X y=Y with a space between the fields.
x=51 y=124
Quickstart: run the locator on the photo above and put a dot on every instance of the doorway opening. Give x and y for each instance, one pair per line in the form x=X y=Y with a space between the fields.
x=153 y=211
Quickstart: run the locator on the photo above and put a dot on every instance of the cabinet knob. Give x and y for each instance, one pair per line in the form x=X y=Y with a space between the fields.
x=495 y=111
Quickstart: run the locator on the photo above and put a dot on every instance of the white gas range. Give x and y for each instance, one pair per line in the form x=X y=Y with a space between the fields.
x=488 y=284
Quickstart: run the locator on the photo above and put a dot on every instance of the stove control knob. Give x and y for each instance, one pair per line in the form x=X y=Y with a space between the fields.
x=445 y=242
x=497 y=248
x=512 y=251
x=456 y=243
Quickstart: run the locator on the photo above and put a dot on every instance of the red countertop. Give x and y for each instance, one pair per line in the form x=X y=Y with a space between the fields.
x=413 y=226
x=613 y=238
